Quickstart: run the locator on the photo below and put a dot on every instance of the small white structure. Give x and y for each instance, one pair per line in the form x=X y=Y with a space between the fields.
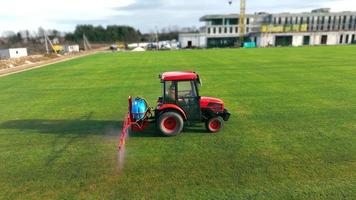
x=138 y=49
x=71 y=48
x=13 y=53
x=134 y=45
x=189 y=40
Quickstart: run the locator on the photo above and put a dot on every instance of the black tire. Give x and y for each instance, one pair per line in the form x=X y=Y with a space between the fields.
x=215 y=124
x=170 y=123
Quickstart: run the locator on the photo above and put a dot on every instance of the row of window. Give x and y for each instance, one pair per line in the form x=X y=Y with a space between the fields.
x=225 y=30
x=327 y=23
x=226 y=21
x=348 y=39
x=344 y=39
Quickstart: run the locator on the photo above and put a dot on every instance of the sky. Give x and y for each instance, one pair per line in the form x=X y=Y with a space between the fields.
x=145 y=15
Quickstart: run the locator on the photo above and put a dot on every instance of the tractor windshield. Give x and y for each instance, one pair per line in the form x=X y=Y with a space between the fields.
x=186 y=89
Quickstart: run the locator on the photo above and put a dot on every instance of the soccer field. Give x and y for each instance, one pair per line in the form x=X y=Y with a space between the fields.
x=292 y=133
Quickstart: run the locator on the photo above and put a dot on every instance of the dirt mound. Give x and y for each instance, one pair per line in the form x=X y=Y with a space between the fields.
x=9 y=63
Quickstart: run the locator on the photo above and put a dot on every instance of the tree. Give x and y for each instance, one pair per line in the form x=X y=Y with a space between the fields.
x=111 y=33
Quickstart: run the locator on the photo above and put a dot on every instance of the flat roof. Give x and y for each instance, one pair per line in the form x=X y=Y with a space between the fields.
x=179 y=75
x=312 y=13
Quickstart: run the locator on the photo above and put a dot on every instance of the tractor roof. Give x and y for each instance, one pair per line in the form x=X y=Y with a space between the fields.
x=178 y=76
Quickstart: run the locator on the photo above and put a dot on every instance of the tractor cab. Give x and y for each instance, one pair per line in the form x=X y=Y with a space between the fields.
x=182 y=89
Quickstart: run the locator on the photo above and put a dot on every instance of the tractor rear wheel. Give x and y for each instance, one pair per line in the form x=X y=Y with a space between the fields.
x=170 y=123
x=214 y=124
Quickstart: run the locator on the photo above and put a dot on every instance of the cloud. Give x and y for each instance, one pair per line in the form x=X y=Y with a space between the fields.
x=145 y=15
x=30 y=14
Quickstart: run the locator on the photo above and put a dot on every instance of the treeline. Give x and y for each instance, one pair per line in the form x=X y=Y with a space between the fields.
x=95 y=34
x=100 y=34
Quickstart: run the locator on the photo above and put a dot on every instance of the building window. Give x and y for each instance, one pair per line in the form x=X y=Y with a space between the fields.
x=231 y=29
x=208 y=30
x=236 y=29
x=286 y=21
x=344 y=23
x=225 y=30
x=280 y=20
x=248 y=21
x=214 y=30
x=347 y=39
x=350 y=23
x=219 y=29
x=340 y=24
x=353 y=39
x=341 y=39
x=306 y=40
x=324 y=39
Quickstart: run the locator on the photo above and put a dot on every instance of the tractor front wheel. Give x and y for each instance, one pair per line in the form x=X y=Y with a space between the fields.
x=170 y=123
x=214 y=124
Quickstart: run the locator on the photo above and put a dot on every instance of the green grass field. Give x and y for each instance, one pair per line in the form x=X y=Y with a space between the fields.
x=292 y=134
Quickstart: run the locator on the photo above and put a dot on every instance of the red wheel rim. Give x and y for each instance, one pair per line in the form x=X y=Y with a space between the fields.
x=170 y=123
x=214 y=125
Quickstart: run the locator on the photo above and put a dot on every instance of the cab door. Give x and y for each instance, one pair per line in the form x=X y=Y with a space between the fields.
x=189 y=100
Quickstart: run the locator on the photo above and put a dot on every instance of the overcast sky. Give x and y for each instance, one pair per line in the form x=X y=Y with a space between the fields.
x=145 y=15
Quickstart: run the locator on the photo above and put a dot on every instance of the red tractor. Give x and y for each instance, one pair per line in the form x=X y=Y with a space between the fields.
x=179 y=104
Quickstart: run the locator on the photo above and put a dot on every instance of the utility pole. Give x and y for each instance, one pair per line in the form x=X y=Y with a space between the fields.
x=157 y=41
x=46 y=44
x=86 y=43
x=47 y=40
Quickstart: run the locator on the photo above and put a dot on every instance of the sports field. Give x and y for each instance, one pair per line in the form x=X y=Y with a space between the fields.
x=292 y=134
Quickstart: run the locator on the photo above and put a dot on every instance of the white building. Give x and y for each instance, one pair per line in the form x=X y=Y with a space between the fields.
x=71 y=48
x=189 y=40
x=13 y=53
x=318 y=27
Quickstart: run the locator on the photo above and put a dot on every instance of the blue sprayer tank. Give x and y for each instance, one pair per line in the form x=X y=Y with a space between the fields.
x=139 y=109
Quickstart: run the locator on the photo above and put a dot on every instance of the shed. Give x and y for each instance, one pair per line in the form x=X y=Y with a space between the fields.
x=71 y=48
x=13 y=53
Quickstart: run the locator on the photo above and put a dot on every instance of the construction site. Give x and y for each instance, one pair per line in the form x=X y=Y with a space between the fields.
x=18 y=59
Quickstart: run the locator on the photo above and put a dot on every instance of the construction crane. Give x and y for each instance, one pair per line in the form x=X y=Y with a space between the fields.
x=242 y=25
x=55 y=48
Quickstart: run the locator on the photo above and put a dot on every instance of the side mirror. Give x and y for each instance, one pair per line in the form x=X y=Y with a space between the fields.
x=200 y=82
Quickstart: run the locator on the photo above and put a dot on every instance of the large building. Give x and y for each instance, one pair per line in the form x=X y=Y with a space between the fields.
x=318 y=27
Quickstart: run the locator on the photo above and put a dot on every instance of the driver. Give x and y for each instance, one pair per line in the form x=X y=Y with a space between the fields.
x=172 y=92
